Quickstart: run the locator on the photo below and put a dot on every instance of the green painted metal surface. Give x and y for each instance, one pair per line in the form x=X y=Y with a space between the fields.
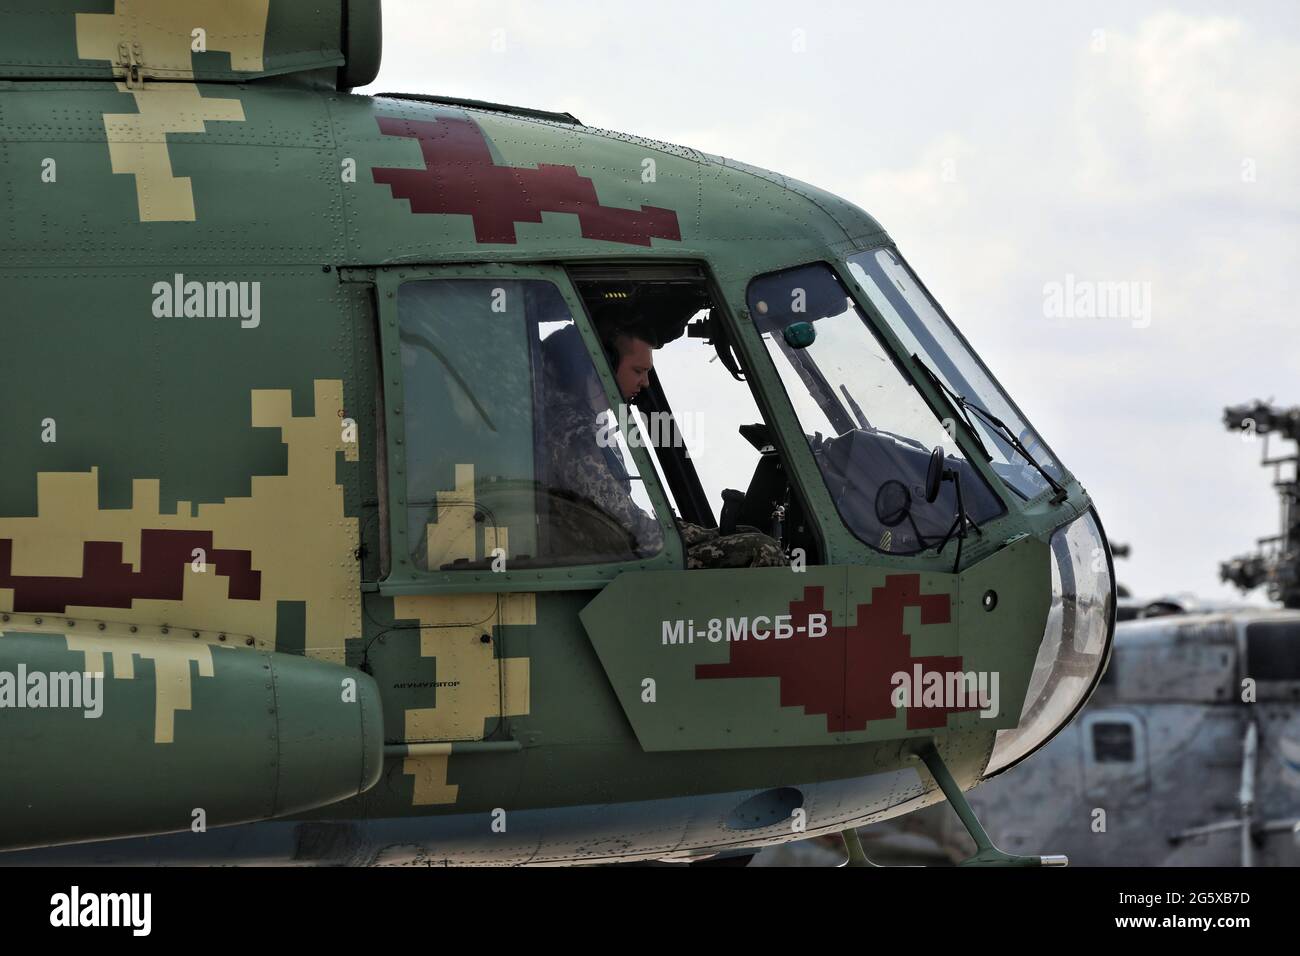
x=170 y=419
x=115 y=736
x=41 y=38
x=770 y=658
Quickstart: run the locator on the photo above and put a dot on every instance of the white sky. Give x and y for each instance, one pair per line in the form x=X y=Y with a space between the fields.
x=1003 y=146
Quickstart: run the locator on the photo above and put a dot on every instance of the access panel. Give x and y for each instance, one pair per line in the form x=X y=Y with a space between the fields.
x=771 y=657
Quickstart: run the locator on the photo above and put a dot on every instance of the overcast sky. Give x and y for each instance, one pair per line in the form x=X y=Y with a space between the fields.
x=1004 y=146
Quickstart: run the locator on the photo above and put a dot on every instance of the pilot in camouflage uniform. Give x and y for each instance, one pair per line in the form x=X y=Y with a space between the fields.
x=593 y=513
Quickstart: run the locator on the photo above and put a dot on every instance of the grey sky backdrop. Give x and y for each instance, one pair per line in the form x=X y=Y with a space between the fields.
x=1004 y=146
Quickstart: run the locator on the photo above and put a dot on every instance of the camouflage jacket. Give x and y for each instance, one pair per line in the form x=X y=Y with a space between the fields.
x=595 y=486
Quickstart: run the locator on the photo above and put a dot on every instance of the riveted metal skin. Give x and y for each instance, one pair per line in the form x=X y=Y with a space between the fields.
x=206 y=433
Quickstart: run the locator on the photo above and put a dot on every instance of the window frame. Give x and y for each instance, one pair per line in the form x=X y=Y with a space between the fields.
x=1137 y=740
x=1257 y=648
x=1011 y=496
x=1127 y=751
x=725 y=317
x=884 y=336
x=405 y=578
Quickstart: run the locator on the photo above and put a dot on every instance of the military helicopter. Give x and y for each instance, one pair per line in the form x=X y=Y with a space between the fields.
x=1189 y=752
x=1276 y=563
x=279 y=572
x=1166 y=766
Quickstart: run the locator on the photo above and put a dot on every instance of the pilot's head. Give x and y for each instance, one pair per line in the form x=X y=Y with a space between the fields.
x=632 y=357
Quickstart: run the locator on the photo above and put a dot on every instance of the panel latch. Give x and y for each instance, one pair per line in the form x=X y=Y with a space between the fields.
x=130 y=61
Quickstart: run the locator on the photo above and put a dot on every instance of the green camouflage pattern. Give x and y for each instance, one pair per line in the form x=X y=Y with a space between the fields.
x=226 y=486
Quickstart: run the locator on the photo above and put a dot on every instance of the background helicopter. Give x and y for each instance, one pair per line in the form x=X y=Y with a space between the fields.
x=1189 y=752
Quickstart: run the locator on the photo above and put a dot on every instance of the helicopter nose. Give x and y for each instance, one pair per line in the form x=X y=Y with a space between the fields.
x=1076 y=642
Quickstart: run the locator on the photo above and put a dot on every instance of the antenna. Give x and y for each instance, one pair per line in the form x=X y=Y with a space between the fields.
x=1276 y=561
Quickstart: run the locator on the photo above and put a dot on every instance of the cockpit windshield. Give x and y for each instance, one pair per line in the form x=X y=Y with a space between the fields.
x=871 y=432
x=924 y=331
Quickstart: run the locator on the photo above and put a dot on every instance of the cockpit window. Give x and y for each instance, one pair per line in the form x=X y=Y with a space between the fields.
x=871 y=432
x=695 y=412
x=513 y=462
x=924 y=331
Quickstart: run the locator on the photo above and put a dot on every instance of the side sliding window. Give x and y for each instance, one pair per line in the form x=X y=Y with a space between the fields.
x=504 y=457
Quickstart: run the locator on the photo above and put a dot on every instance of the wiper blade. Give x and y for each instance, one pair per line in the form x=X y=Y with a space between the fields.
x=966 y=405
x=957 y=401
x=1060 y=494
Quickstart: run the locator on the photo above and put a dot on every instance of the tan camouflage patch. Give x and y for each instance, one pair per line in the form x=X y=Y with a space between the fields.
x=171 y=661
x=452 y=628
x=159 y=34
x=164 y=31
x=137 y=144
x=294 y=527
x=486 y=686
x=431 y=786
x=451 y=535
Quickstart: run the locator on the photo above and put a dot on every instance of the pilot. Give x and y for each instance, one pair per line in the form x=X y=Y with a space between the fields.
x=581 y=470
x=581 y=463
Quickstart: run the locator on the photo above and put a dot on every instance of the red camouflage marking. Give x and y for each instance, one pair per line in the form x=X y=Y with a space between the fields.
x=846 y=674
x=461 y=179
x=108 y=581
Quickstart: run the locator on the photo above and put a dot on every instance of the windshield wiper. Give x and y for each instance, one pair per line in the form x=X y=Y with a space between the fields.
x=958 y=403
x=965 y=406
